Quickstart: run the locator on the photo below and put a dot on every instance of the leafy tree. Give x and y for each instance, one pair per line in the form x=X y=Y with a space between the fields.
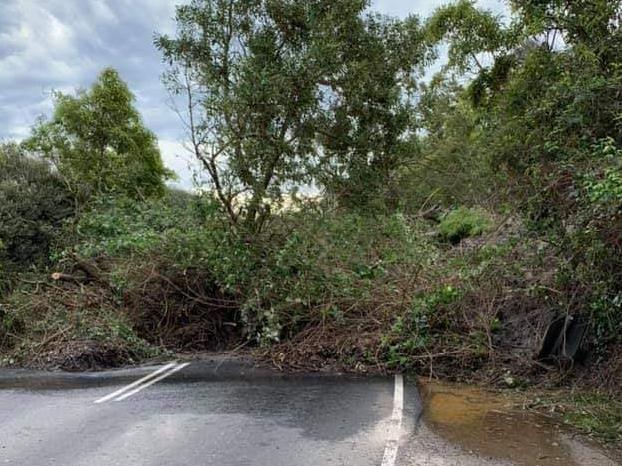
x=98 y=143
x=475 y=37
x=591 y=23
x=249 y=72
x=282 y=93
x=549 y=92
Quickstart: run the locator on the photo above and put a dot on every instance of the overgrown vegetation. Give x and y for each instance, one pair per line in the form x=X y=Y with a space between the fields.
x=34 y=202
x=357 y=215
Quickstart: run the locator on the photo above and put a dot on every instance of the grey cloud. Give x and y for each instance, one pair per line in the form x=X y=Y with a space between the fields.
x=63 y=44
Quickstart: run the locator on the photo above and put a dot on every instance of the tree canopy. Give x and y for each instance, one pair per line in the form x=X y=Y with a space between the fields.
x=285 y=93
x=98 y=143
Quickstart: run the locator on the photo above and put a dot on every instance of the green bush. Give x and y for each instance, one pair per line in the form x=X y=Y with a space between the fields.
x=120 y=226
x=464 y=222
x=181 y=229
x=413 y=332
x=332 y=267
x=34 y=202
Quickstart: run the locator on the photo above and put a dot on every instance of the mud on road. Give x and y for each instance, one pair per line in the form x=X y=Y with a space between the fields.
x=492 y=426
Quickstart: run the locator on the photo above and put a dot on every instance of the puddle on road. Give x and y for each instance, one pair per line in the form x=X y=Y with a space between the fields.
x=488 y=425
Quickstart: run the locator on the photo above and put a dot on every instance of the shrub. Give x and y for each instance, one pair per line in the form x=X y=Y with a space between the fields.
x=309 y=267
x=334 y=270
x=464 y=222
x=156 y=264
x=33 y=205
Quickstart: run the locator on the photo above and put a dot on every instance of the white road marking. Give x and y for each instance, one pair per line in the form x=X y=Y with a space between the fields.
x=395 y=423
x=136 y=383
x=151 y=382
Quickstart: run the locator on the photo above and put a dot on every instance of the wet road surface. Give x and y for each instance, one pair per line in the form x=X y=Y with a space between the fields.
x=216 y=413
x=198 y=415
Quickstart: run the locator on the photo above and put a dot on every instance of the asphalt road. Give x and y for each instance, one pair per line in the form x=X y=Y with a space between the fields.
x=220 y=412
x=206 y=413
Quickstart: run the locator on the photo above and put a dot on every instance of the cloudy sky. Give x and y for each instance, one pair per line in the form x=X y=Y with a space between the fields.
x=63 y=44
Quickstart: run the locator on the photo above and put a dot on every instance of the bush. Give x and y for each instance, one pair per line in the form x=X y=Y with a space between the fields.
x=124 y=227
x=307 y=268
x=70 y=326
x=153 y=287
x=463 y=223
x=179 y=231
x=334 y=267
x=33 y=205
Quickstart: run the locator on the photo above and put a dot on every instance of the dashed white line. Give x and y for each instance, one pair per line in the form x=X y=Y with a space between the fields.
x=395 y=423
x=137 y=382
x=151 y=382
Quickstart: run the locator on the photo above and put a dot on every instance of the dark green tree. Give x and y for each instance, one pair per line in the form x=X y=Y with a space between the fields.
x=475 y=37
x=369 y=129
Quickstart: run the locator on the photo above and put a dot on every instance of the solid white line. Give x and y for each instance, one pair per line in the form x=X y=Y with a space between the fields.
x=137 y=382
x=151 y=382
x=395 y=423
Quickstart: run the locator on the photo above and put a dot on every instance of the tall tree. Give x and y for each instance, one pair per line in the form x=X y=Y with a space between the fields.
x=250 y=72
x=97 y=141
x=276 y=90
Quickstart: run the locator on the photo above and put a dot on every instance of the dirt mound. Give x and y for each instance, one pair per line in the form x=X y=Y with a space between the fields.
x=87 y=355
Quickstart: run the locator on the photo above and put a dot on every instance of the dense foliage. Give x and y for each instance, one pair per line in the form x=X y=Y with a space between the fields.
x=34 y=201
x=285 y=94
x=544 y=109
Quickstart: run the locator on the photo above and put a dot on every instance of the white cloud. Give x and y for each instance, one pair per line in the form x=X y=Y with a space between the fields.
x=102 y=11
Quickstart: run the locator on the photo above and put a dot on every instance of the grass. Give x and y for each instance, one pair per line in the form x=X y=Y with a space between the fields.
x=593 y=414
x=464 y=222
x=596 y=415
